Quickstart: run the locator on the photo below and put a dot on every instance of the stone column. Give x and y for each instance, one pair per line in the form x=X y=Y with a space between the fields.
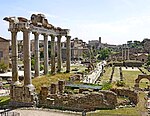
x=122 y=54
x=53 y=88
x=59 y=53
x=27 y=58
x=52 y=54
x=128 y=54
x=45 y=54
x=125 y=53
x=36 y=55
x=14 y=46
x=68 y=54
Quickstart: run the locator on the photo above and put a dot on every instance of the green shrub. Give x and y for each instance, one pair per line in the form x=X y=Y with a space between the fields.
x=3 y=67
x=41 y=67
x=106 y=86
x=120 y=83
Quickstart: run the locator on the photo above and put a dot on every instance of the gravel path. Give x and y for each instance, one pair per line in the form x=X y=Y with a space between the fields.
x=43 y=113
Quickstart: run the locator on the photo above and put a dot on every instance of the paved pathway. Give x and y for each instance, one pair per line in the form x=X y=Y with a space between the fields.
x=44 y=113
x=91 y=78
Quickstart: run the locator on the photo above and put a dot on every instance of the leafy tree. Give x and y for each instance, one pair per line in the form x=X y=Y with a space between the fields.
x=104 y=54
x=3 y=66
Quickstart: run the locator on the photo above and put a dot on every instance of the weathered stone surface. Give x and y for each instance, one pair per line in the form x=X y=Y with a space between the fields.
x=53 y=88
x=75 y=77
x=77 y=102
x=110 y=97
x=22 y=96
x=61 y=86
x=131 y=94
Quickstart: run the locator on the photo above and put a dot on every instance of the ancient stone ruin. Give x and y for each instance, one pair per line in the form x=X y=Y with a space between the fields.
x=55 y=97
x=24 y=95
x=140 y=77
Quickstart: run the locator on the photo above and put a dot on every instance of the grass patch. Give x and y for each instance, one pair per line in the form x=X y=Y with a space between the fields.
x=116 y=112
x=116 y=75
x=129 y=79
x=130 y=76
x=4 y=100
x=48 y=79
x=106 y=75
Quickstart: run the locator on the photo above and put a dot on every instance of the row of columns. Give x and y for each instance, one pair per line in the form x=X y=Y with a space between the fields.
x=27 y=55
x=125 y=54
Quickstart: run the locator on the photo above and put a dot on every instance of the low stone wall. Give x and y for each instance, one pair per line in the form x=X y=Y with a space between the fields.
x=110 y=97
x=79 y=102
x=132 y=95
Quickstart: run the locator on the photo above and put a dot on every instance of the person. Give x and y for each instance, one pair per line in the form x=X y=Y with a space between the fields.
x=83 y=113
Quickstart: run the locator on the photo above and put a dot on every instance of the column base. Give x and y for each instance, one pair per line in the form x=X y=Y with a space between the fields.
x=23 y=96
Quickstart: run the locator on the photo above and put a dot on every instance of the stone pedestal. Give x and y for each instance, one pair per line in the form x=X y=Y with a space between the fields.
x=23 y=96
x=53 y=88
x=61 y=86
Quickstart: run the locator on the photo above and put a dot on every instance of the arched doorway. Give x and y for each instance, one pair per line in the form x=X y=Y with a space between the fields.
x=145 y=79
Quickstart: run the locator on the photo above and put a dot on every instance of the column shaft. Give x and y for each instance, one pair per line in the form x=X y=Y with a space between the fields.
x=122 y=55
x=68 y=54
x=14 y=57
x=27 y=58
x=36 y=55
x=128 y=54
x=45 y=54
x=125 y=54
x=59 y=53
x=52 y=54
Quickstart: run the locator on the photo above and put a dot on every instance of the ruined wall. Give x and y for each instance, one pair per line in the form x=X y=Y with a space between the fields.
x=133 y=96
x=77 y=102
x=110 y=97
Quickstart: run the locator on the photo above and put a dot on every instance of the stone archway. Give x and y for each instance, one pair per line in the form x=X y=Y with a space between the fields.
x=140 y=77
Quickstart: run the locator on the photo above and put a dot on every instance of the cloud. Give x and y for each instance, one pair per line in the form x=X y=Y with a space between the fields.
x=117 y=32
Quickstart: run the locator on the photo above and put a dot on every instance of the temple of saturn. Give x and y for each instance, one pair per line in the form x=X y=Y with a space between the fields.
x=24 y=95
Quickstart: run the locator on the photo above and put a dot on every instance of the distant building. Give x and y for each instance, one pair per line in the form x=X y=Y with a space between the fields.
x=95 y=43
x=4 y=50
x=140 y=57
x=78 y=48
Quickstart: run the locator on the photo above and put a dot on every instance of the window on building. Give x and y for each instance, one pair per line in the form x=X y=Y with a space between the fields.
x=1 y=54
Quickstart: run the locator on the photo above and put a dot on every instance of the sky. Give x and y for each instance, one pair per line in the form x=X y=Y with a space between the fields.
x=115 y=21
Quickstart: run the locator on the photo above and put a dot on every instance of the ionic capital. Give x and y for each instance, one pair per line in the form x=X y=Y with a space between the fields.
x=59 y=36
x=68 y=37
x=35 y=33
x=26 y=30
x=44 y=34
x=13 y=30
x=52 y=36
